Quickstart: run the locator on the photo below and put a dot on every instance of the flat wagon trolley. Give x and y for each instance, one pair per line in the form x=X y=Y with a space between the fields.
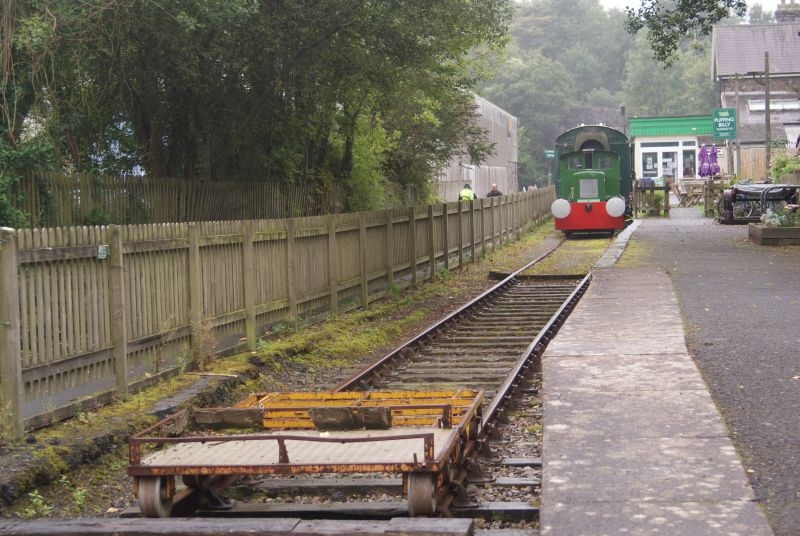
x=425 y=435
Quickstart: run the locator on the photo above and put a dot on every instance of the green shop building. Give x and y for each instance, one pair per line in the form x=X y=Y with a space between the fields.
x=668 y=147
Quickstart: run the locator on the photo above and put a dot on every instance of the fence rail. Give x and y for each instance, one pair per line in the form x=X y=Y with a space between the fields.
x=54 y=200
x=90 y=313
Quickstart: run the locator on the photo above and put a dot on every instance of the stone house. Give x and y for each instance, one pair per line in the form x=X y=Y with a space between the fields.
x=738 y=59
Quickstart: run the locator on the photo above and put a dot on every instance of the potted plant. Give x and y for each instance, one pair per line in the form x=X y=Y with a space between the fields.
x=779 y=227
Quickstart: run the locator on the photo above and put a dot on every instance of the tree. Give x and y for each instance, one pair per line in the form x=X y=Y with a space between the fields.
x=538 y=91
x=250 y=89
x=682 y=88
x=758 y=15
x=668 y=22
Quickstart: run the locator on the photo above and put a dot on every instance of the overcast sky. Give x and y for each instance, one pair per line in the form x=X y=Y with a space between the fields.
x=768 y=5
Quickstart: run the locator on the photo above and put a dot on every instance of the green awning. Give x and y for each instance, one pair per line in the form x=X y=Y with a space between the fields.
x=693 y=125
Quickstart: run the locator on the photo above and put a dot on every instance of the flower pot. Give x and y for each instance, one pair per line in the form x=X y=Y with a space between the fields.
x=760 y=234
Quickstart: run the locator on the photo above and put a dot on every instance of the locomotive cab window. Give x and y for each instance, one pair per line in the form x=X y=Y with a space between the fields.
x=574 y=161
x=604 y=161
x=587 y=160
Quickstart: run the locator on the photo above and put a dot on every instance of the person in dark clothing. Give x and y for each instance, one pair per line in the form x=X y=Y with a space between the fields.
x=494 y=192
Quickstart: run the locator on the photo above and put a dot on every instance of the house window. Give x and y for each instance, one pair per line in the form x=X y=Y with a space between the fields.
x=775 y=105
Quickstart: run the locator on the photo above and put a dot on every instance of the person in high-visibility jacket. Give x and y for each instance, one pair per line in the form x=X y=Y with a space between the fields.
x=467 y=194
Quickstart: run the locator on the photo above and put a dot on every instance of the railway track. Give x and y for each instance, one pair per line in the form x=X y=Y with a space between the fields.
x=491 y=346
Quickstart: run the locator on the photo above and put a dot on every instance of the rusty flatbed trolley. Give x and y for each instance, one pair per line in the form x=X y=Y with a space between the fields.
x=424 y=435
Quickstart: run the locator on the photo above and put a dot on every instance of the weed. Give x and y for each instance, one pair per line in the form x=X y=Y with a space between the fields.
x=78 y=499
x=279 y=328
x=83 y=417
x=445 y=275
x=203 y=343
x=394 y=291
x=37 y=508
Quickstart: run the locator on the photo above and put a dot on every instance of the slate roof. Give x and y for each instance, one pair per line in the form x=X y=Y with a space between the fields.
x=740 y=49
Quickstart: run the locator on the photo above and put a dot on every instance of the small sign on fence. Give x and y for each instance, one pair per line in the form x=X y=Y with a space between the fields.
x=102 y=252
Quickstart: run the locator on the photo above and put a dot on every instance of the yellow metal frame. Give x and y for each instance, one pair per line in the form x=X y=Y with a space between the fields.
x=409 y=408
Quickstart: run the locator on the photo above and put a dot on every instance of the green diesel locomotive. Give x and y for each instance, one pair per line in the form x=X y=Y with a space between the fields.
x=593 y=180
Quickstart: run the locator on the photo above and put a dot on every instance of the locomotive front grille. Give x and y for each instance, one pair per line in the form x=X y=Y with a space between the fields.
x=588 y=189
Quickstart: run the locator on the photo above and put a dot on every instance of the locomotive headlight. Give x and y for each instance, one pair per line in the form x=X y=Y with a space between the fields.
x=615 y=207
x=560 y=208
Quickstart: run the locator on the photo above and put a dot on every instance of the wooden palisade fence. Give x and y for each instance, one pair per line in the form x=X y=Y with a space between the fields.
x=88 y=314
x=644 y=198
x=56 y=199
x=712 y=191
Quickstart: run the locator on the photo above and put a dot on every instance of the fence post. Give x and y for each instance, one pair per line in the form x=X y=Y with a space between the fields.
x=432 y=240
x=195 y=293
x=666 y=199
x=10 y=346
x=445 y=237
x=333 y=264
x=491 y=205
x=249 y=283
x=503 y=220
x=412 y=239
x=117 y=309
x=362 y=256
x=291 y=279
x=473 y=257
x=483 y=226
x=389 y=247
x=460 y=235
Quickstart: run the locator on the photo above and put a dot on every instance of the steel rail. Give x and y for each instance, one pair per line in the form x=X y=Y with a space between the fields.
x=539 y=342
x=356 y=381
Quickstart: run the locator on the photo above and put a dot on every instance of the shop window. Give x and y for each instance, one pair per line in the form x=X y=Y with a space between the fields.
x=650 y=164
x=689 y=164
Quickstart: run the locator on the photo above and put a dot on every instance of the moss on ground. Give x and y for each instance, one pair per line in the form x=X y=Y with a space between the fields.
x=575 y=256
x=636 y=253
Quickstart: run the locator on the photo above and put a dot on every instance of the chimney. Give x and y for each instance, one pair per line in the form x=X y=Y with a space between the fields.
x=787 y=12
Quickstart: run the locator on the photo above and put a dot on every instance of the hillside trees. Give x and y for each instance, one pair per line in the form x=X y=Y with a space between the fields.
x=668 y=22
x=684 y=88
x=278 y=90
x=585 y=60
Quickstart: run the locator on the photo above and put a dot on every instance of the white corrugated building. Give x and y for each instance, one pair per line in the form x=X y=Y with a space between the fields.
x=501 y=128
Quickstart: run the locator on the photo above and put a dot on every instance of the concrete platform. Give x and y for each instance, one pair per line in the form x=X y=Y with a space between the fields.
x=633 y=443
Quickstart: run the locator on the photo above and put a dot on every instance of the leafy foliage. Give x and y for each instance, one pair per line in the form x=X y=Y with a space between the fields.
x=252 y=89
x=683 y=88
x=567 y=60
x=784 y=164
x=669 y=22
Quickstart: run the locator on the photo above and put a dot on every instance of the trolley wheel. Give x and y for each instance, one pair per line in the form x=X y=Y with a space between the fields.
x=421 y=501
x=153 y=496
